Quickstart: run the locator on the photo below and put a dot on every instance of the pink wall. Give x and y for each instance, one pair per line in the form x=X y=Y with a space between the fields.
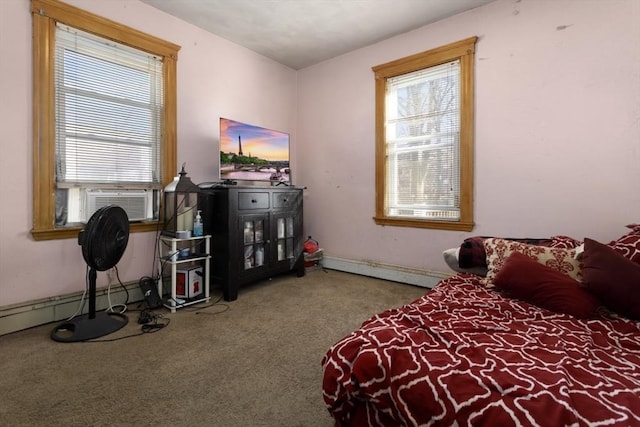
x=215 y=78
x=557 y=130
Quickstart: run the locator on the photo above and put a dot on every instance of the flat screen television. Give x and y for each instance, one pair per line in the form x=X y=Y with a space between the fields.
x=253 y=153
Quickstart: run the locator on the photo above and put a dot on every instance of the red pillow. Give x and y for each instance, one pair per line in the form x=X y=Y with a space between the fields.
x=612 y=277
x=537 y=284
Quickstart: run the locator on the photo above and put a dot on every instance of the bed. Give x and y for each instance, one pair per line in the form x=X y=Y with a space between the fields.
x=547 y=335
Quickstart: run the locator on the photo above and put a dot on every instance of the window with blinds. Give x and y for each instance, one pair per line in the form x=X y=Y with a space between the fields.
x=104 y=119
x=108 y=126
x=424 y=139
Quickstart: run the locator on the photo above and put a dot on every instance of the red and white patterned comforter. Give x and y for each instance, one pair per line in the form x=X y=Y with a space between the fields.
x=466 y=355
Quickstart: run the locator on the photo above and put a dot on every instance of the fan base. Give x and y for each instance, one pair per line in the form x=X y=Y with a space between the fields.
x=83 y=328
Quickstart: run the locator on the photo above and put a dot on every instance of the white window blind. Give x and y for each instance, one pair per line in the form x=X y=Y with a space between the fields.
x=109 y=101
x=422 y=128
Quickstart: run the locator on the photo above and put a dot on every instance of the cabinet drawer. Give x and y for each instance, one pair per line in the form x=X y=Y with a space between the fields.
x=253 y=200
x=284 y=200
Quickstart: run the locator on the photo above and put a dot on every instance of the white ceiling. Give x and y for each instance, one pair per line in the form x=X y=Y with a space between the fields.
x=300 y=33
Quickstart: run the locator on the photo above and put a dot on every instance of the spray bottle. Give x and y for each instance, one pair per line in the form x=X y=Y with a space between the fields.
x=197 y=226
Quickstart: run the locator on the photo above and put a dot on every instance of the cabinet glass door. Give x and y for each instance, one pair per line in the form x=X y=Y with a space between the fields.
x=284 y=238
x=254 y=244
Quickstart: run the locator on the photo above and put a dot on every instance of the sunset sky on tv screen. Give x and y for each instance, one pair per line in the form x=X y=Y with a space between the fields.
x=256 y=141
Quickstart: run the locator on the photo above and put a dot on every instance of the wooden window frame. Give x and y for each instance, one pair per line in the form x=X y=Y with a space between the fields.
x=45 y=15
x=463 y=50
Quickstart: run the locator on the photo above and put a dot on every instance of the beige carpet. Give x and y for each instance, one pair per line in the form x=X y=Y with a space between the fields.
x=254 y=363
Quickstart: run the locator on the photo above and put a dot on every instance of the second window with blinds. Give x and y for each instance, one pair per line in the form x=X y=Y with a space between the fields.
x=424 y=139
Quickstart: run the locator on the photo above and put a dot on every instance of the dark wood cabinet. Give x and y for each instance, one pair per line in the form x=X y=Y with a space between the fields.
x=256 y=233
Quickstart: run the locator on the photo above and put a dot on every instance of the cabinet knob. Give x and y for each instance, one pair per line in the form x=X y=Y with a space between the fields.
x=254 y=201
x=284 y=200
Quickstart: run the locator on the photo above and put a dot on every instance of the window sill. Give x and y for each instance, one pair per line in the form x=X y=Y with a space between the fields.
x=417 y=223
x=72 y=232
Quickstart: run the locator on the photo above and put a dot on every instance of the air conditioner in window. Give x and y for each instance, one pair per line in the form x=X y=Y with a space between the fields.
x=136 y=203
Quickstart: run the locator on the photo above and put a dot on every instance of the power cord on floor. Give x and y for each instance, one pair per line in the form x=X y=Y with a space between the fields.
x=152 y=322
x=150 y=328
x=146 y=316
x=220 y=306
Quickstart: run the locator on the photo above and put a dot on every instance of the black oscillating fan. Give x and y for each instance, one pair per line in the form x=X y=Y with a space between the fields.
x=103 y=242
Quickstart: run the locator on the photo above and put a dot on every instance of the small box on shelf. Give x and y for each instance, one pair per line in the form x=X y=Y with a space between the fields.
x=189 y=282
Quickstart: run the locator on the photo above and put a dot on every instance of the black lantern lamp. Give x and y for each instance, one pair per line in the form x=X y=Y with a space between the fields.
x=180 y=206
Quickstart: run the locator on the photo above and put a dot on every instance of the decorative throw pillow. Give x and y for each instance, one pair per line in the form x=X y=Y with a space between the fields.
x=498 y=250
x=472 y=253
x=612 y=277
x=629 y=244
x=528 y=280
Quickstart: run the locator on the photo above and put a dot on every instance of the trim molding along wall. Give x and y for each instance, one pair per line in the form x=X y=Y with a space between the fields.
x=35 y=313
x=28 y=314
x=394 y=273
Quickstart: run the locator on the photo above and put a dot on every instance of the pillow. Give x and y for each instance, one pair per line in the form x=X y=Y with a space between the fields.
x=611 y=277
x=528 y=280
x=472 y=253
x=498 y=250
x=629 y=244
x=451 y=258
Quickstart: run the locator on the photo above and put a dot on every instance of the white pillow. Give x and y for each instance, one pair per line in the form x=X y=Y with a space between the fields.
x=579 y=251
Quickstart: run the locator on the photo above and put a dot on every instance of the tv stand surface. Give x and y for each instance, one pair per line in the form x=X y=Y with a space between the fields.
x=256 y=233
